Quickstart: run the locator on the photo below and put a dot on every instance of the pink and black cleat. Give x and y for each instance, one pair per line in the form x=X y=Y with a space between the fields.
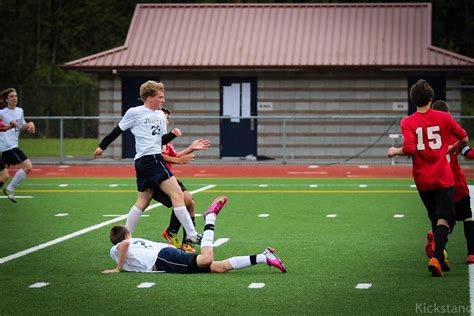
x=273 y=260
x=216 y=205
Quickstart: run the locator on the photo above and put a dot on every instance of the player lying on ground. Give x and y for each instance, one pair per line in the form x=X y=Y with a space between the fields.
x=141 y=255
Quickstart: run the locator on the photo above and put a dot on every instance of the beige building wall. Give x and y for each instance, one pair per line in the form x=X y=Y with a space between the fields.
x=316 y=99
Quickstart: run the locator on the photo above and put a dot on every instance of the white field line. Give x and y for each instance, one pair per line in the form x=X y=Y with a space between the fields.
x=82 y=231
x=471 y=266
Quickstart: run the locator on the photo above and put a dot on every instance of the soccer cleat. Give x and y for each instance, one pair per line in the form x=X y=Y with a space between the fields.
x=10 y=195
x=187 y=248
x=430 y=244
x=445 y=265
x=273 y=260
x=195 y=240
x=172 y=238
x=435 y=267
x=470 y=259
x=216 y=206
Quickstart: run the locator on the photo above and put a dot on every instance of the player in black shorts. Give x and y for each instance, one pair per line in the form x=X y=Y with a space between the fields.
x=141 y=255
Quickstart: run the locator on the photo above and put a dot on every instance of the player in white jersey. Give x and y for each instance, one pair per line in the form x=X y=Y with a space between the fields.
x=11 y=154
x=141 y=255
x=148 y=125
x=4 y=176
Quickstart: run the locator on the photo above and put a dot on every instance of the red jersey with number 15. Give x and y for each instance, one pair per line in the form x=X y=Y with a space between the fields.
x=426 y=138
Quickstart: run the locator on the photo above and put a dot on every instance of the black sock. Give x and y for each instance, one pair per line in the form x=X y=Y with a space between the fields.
x=441 y=239
x=1 y=184
x=469 y=234
x=174 y=225
x=184 y=231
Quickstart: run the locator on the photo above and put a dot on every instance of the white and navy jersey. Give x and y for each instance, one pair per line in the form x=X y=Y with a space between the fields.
x=9 y=138
x=141 y=255
x=147 y=126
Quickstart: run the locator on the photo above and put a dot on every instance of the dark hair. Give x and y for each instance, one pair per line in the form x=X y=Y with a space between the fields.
x=440 y=106
x=118 y=234
x=4 y=94
x=421 y=93
x=166 y=110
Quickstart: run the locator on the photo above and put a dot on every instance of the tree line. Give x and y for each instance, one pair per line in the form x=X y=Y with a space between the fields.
x=40 y=35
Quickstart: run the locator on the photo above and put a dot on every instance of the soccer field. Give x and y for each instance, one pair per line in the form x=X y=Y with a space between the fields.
x=333 y=234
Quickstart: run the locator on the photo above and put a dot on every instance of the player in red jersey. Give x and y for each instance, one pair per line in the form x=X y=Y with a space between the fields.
x=427 y=134
x=171 y=232
x=462 y=200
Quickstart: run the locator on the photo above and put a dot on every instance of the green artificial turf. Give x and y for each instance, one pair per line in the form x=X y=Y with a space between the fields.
x=326 y=257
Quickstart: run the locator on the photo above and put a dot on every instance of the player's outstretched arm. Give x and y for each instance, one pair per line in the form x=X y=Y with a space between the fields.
x=123 y=251
x=198 y=144
x=182 y=160
x=116 y=132
x=394 y=151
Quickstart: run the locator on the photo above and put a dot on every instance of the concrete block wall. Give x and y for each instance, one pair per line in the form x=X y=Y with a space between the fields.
x=110 y=104
x=311 y=97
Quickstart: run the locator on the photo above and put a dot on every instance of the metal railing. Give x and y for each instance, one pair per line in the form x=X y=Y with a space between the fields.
x=287 y=139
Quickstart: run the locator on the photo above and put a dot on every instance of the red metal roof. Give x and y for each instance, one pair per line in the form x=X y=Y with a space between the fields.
x=202 y=36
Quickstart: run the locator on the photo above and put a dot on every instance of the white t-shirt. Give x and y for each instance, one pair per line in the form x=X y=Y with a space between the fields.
x=9 y=139
x=141 y=255
x=147 y=126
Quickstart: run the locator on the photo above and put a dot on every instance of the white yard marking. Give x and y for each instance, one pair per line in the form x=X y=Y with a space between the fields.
x=61 y=214
x=471 y=266
x=363 y=286
x=145 y=285
x=256 y=285
x=313 y=185
x=363 y=167
x=313 y=166
x=220 y=242
x=471 y=286
x=331 y=215
x=307 y=172
x=362 y=185
x=412 y=186
x=197 y=215
x=113 y=185
x=18 y=197
x=263 y=215
x=398 y=216
x=64 y=167
x=263 y=185
x=63 y=185
x=83 y=231
x=38 y=285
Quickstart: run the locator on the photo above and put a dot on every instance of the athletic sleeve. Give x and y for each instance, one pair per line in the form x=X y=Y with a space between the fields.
x=408 y=147
x=168 y=137
x=110 y=137
x=468 y=152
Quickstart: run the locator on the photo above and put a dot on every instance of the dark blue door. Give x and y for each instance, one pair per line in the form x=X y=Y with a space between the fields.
x=130 y=98
x=238 y=132
x=438 y=83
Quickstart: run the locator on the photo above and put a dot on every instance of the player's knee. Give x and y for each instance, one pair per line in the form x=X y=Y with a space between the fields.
x=204 y=260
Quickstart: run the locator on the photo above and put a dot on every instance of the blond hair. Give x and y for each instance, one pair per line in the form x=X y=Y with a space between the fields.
x=150 y=89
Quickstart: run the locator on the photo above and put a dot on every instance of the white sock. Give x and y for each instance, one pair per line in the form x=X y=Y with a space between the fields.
x=246 y=261
x=19 y=175
x=133 y=218
x=208 y=234
x=183 y=216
